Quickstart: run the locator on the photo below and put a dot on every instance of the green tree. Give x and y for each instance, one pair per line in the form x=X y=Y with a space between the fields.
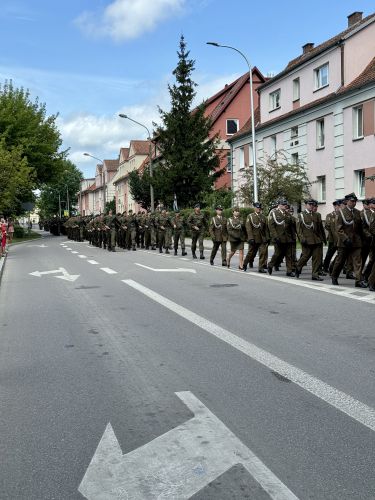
x=222 y=196
x=63 y=189
x=139 y=184
x=16 y=180
x=189 y=164
x=25 y=127
x=277 y=177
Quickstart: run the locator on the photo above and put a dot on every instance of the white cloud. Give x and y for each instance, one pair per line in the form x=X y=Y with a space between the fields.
x=128 y=19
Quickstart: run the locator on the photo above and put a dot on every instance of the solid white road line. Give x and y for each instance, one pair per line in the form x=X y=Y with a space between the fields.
x=108 y=270
x=92 y=262
x=357 y=410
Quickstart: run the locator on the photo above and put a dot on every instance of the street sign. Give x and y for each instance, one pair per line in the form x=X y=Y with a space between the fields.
x=177 y=464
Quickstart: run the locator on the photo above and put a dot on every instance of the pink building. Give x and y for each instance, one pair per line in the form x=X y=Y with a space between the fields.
x=320 y=110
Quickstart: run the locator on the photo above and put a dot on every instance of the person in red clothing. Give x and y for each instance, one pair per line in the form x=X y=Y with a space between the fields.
x=3 y=227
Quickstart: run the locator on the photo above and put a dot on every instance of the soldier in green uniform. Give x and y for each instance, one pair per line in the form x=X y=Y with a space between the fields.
x=349 y=240
x=111 y=223
x=236 y=236
x=330 y=227
x=131 y=231
x=367 y=239
x=197 y=224
x=258 y=238
x=309 y=234
x=179 y=230
x=168 y=231
x=371 y=277
x=218 y=233
x=162 y=223
x=281 y=233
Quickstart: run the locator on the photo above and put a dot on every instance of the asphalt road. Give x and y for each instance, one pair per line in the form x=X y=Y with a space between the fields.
x=217 y=384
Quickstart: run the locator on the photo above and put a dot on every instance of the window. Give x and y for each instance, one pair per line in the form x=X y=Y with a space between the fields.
x=229 y=162
x=232 y=126
x=320 y=134
x=360 y=183
x=296 y=89
x=273 y=145
x=358 y=122
x=294 y=158
x=275 y=100
x=251 y=163
x=241 y=159
x=321 y=77
x=321 y=187
x=294 y=132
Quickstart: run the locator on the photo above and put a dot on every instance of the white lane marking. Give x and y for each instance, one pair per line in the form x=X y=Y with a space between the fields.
x=336 y=398
x=82 y=256
x=92 y=262
x=176 y=270
x=183 y=461
x=321 y=286
x=65 y=275
x=68 y=248
x=108 y=270
x=74 y=251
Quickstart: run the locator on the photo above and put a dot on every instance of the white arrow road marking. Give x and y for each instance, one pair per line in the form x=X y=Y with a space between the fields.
x=356 y=409
x=40 y=246
x=176 y=270
x=65 y=275
x=177 y=464
x=92 y=262
x=108 y=270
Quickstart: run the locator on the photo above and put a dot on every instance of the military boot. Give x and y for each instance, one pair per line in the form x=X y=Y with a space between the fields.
x=202 y=256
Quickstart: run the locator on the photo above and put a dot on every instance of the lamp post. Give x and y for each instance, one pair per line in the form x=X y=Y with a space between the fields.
x=121 y=115
x=103 y=177
x=215 y=44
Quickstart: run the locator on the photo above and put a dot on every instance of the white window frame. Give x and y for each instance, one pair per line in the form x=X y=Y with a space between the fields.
x=322 y=188
x=229 y=162
x=251 y=155
x=360 y=180
x=274 y=99
x=294 y=158
x=319 y=83
x=241 y=158
x=320 y=136
x=273 y=149
x=236 y=121
x=296 y=89
x=358 y=122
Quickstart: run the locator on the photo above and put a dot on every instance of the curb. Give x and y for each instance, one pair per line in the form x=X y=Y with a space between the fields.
x=2 y=265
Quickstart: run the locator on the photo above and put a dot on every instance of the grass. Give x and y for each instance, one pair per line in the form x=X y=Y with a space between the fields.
x=29 y=236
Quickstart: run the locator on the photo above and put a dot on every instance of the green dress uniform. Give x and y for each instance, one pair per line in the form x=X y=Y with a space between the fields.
x=281 y=232
x=309 y=234
x=366 y=252
x=197 y=224
x=371 y=278
x=330 y=227
x=258 y=237
x=219 y=235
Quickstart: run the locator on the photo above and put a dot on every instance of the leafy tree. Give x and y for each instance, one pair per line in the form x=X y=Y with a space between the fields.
x=277 y=177
x=189 y=164
x=139 y=184
x=31 y=135
x=16 y=180
x=63 y=189
x=222 y=196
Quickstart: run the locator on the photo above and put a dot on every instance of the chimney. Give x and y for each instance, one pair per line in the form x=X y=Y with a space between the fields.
x=354 y=18
x=307 y=47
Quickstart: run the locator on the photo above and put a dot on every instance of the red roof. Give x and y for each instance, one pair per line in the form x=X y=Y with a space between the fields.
x=140 y=147
x=111 y=165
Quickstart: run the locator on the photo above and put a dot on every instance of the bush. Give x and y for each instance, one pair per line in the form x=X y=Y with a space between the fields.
x=19 y=232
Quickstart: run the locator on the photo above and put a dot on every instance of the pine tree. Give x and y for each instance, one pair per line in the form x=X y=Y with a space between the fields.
x=189 y=164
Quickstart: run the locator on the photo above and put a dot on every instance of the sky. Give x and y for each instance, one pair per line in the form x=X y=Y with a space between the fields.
x=89 y=60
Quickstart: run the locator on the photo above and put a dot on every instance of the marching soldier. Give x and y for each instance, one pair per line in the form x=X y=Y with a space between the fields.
x=236 y=235
x=258 y=238
x=366 y=213
x=371 y=279
x=111 y=223
x=131 y=230
x=349 y=240
x=197 y=224
x=309 y=234
x=281 y=232
x=330 y=227
x=162 y=222
x=218 y=233
x=178 y=224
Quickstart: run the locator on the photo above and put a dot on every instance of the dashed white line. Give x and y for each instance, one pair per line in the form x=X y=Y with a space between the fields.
x=82 y=256
x=74 y=251
x=92 y=262
x=356 y=409
x=108 y=270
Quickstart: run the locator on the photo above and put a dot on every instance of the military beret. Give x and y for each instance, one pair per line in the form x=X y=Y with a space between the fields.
x=351 y=196
x=218 y=207
x=257 y=205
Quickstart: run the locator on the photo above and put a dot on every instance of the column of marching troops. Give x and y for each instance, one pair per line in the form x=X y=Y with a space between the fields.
x=348 y=232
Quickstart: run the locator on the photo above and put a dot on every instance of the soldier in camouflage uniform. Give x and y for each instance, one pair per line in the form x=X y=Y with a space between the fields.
x=162 y=222
x=179 y=230
x=111 y=223
x=131 y=225
x=197 y=224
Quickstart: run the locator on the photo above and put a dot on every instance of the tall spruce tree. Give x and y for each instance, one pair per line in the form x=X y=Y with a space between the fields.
x=189 y=161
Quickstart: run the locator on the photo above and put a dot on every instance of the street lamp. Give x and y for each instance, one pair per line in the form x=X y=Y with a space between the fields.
x=103 y=177
x=121 y=115
x=215 y=44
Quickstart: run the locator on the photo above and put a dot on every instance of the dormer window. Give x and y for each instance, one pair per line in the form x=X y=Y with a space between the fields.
x=232 y=126
x=321 y=77
x=275 y=99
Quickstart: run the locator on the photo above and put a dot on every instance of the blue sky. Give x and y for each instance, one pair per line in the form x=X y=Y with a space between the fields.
x=89 y=60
